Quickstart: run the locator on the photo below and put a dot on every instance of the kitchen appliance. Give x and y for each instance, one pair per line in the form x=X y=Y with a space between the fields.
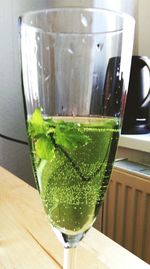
x=137 y=112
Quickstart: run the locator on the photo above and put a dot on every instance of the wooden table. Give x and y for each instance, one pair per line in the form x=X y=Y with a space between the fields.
x=28 y=242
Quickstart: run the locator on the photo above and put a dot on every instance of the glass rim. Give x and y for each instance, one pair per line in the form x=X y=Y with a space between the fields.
x=121 y=15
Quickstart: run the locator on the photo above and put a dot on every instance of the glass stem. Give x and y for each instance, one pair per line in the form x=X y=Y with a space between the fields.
x=69 y=258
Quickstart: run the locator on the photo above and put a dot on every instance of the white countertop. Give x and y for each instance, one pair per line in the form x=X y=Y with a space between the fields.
x=137 y=142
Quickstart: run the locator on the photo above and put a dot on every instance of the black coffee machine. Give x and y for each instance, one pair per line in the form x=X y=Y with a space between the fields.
x=137 y=112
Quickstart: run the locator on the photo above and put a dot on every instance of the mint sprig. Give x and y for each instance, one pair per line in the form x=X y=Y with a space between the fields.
x=48 y=135
x=70 y=135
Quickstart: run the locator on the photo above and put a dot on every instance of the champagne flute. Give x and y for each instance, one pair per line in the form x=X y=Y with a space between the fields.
x=75 y=65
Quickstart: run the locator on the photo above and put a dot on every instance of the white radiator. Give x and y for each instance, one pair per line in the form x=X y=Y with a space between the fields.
x=125 y=216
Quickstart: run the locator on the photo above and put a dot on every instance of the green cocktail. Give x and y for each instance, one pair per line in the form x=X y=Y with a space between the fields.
x=72 y=160
x=75 y=67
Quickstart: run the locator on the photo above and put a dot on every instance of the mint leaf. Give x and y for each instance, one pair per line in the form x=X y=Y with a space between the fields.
x=70 y=135
x=36 y=125
x=39 y=130
x=50 y=126
x=44 y=148
x=47 y=133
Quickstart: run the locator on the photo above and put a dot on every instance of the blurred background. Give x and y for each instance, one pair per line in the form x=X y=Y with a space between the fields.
x=14 y=152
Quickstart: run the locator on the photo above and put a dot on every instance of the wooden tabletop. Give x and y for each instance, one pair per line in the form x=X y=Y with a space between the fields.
x=28 y=242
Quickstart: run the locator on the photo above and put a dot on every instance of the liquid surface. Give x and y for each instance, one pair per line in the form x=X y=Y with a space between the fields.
x=72 y=160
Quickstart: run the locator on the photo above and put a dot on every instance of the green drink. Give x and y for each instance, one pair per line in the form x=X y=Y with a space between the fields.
x=72 y=160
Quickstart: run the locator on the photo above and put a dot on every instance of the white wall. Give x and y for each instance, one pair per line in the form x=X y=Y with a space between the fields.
x=144 y=27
